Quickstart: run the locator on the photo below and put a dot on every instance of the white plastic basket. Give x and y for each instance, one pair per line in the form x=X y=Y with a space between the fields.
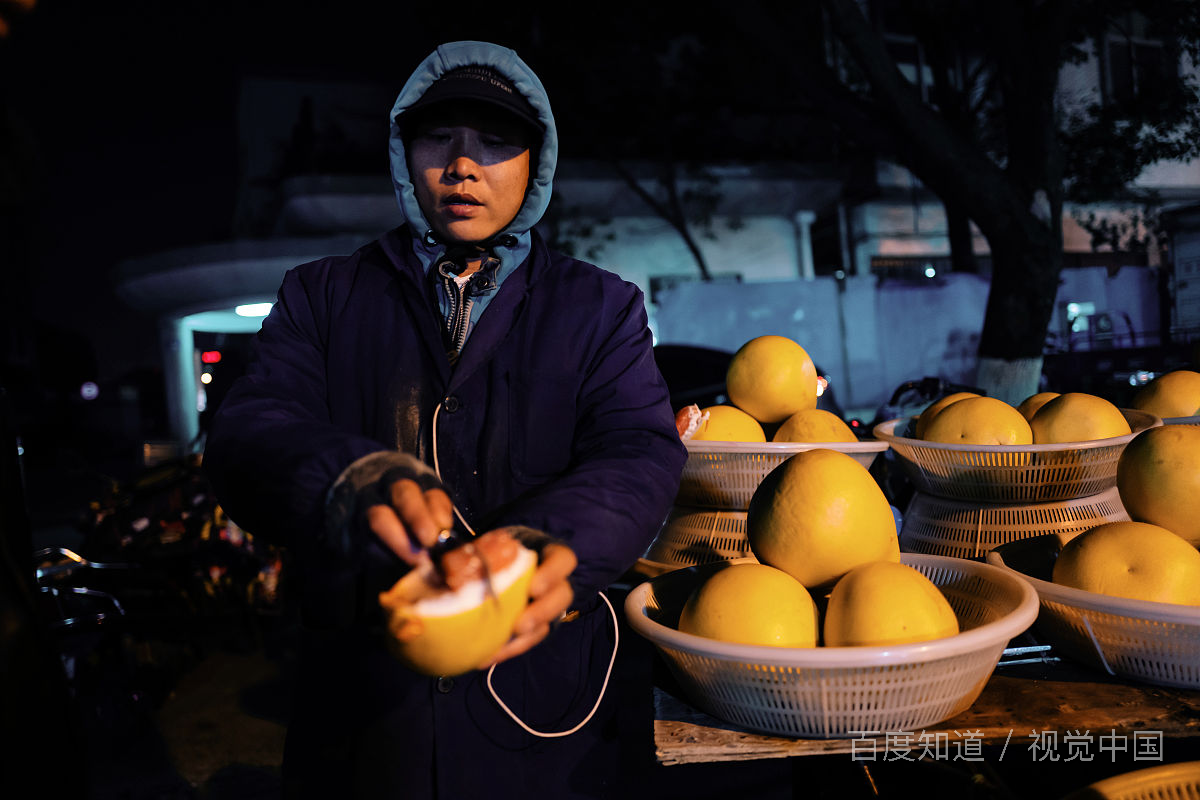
x=692 y=536
x=725 y=474
x=945 y=527
x=1182 y=420
x=1163 y=782
x=1012 y=473
x=1157 y=643
x=831 y=692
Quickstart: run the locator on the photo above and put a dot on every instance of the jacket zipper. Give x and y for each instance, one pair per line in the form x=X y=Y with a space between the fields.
x=459 y=297
x=459 y=318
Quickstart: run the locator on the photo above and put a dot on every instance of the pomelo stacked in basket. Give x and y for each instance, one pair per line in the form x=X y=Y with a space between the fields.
x=1124 y=597
x=824 y=629
x=771 y=415
x=986 y=473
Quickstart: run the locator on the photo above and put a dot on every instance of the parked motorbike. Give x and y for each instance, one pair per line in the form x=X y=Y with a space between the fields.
x=162 y=577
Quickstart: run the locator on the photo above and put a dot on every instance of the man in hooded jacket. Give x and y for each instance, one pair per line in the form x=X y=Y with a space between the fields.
x=527 y=391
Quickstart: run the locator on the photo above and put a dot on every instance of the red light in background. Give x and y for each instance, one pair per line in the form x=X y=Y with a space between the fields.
x=210 y=357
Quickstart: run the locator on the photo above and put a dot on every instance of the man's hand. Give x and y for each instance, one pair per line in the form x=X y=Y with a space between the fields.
x=412 y=521
x=550 y=595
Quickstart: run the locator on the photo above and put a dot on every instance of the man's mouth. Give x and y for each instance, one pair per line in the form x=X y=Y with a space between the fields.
x=461 y=200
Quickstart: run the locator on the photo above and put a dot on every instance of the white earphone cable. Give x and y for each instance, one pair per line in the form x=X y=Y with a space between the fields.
x=491 y=689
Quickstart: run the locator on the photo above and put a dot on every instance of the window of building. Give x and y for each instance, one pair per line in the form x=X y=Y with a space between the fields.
x=1136 y=61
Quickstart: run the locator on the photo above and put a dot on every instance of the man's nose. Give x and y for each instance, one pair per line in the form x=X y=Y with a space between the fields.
x=462 y=167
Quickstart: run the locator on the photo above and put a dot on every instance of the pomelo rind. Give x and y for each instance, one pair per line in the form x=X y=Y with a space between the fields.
x=450 y=633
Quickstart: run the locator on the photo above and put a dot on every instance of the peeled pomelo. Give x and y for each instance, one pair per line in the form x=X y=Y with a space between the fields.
x=439 y=630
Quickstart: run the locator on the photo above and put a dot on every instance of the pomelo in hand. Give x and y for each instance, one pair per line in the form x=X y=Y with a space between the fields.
x=814 y=425
x=1136 y=560
x=751 y=604
x=1029 y=406
x=935 y=408
x=1173 y=394
x=1077 y=417
x=449 y=624
x=1158 y=479
x=979 y=420
x=771 y=378
x=886 y=603
x=818 y=515
x=727 y=424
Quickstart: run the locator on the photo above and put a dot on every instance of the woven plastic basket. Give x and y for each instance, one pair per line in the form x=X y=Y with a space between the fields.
x=1157 y=643
x=944 y=527
x=832 y=692
x=1029 y=473
x=725 y=474
x=692 y=536
x=1163 y=782
x=1181 y=420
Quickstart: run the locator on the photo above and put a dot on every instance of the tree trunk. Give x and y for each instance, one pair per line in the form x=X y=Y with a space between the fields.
x=962 y=241
x=1025 y=277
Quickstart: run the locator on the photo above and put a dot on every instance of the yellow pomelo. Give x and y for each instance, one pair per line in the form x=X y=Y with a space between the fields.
x=1174 y=394
x=814 y=425
x=885 y=603
x=1158 y=479
x=728 y=424
x=1031 y=404
x=979 y=420
x=1077 y=417
x=935 y=408
x=1137 y=560
x=751 y=604
x=436 y=631
x=818 y=515
x=771 y=378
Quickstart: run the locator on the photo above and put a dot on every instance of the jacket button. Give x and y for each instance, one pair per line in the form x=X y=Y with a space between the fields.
x=445 y=684
x=451 y=404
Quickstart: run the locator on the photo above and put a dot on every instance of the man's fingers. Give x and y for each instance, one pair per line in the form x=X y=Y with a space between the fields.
x=557 y=564
x=414 y=519
x=440 y=508
x=383 y=521
x=545 y=609
x=534 y=623
x=414 y=513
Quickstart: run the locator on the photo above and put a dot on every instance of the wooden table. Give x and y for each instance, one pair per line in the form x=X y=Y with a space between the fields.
x=1018 y=700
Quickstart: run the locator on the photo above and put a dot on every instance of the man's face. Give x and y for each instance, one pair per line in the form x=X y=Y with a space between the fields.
x=470 y=170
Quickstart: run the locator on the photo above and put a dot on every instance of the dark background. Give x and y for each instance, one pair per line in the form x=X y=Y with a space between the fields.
x=123 y=138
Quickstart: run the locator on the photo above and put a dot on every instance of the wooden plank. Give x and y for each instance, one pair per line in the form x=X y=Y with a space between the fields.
x=1016 y=706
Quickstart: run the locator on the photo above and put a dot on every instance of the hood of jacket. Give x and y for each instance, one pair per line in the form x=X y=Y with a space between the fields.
x=452 y=56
